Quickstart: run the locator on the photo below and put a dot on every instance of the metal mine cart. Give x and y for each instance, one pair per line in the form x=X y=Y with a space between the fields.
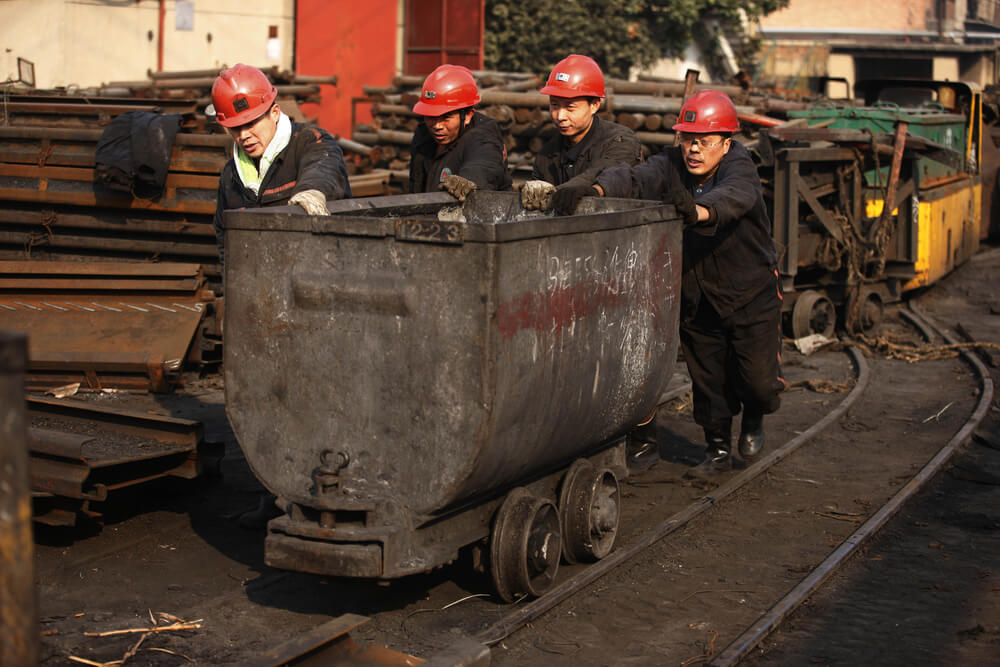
x=411 y=376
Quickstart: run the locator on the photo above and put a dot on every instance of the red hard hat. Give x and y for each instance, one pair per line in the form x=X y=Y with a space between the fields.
x=575 y=76
x=241 y=94
x=448 y=88
x=708 y=111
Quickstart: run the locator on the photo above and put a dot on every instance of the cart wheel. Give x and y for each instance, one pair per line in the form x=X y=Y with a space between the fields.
x=525 y=546
x=813 y=313
x=590 y=508
x=869 y=314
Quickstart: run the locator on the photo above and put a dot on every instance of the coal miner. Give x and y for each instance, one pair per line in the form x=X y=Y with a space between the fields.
x=567 y=164
x=730 y=293
x=276 y=162
x=456 y=148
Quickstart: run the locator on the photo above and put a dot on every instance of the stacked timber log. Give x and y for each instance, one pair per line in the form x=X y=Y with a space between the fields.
x=51 y=206
x=649 y=107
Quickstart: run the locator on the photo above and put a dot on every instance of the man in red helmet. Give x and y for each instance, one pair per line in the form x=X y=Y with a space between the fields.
x=455 y=148
x=730 y=293
x=567 y=165
x=275 y=161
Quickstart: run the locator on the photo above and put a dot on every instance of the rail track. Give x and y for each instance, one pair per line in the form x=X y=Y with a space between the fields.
x=741 y=645
x=419 y=615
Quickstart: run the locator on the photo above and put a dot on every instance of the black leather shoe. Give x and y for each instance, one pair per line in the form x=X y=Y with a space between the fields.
x=751 y=444
x=751 y=441
x=643 y=448
x=717 y=458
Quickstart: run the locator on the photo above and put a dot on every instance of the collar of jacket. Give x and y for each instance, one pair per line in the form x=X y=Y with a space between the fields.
x=250 y=174
x=558 y=146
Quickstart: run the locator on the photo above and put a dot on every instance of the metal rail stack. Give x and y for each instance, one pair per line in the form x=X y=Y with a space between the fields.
x=80 y=452
x=111 y=324
x=56 y=219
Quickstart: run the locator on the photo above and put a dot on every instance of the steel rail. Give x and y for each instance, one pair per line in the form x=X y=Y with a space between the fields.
x=756 y=633
x=525 y=614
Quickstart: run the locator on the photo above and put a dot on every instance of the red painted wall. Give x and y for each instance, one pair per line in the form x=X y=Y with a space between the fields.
x=354 y=39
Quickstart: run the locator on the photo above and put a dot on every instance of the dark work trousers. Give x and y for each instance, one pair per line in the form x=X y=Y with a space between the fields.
x=734 y=361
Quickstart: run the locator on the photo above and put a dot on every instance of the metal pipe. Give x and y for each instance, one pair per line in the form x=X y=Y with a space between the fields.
x=159 y=38
x=315 y=79
x=354 y=146
x=398 y=109
x=185 y=74
x=656 y=138
x=665 y=89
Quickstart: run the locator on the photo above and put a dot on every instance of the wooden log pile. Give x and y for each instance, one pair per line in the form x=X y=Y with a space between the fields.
x=649 y=107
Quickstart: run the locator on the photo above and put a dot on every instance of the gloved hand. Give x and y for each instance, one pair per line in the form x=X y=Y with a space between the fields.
x=313 y=201
x=535 y=195
x=567 y=196
x=458 y=187
x=684 y=204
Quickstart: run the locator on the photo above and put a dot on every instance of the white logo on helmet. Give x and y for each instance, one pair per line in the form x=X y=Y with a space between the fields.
x=562 y=76
x=429 y=94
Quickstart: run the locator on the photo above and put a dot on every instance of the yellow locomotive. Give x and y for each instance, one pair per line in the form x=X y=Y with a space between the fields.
x=827 y=175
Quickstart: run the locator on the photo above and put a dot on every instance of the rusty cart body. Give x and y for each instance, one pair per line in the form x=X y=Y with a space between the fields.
x=406 y=385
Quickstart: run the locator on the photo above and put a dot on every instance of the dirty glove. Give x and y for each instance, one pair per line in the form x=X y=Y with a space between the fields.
x=567 y=196
x=684 y=205
x=535 y=195
x=313 y=201
x=458 y=187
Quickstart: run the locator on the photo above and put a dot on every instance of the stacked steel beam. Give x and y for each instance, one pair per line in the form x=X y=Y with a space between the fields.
x=52 y=208
x=54 y=215
x=649 y=107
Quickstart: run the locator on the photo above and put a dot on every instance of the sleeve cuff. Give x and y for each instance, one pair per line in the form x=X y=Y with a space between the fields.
x=713 y=215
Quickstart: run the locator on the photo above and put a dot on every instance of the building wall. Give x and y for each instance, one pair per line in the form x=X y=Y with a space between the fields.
x=356 y=41
x=891 y=15
x=88 y=42
x=945 y=68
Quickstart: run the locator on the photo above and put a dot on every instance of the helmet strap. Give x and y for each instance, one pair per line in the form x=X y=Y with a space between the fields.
x=462 y=114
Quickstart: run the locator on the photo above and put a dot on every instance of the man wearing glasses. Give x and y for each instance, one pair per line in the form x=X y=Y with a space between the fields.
x=456 y=148
x=730 y=294
x=275 y=162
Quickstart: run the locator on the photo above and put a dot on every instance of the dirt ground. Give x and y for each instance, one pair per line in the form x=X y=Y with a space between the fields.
x=926 y=591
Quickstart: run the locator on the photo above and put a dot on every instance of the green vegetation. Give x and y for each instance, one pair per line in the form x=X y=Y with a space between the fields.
x=533 y=36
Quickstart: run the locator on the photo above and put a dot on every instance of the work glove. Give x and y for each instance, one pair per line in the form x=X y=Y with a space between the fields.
x=567 y=196
x=313 y=201
x=458 y=187
x=684 y=205
x=535 y=195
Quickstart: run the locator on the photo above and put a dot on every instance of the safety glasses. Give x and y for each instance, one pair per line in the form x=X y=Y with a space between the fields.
x=702 y=142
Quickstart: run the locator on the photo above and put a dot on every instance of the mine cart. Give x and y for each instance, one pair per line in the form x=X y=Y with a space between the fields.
x=411 y=376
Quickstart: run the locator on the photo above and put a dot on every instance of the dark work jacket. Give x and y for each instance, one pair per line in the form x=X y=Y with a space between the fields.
x=729 y=258
x=133 y=153
x=606 y=144
x=478 y=154
x=312 y=160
